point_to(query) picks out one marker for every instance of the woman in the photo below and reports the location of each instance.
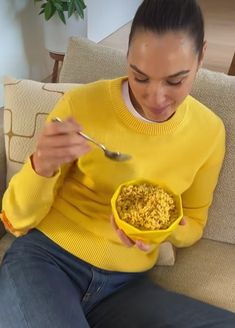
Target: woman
(71, 268)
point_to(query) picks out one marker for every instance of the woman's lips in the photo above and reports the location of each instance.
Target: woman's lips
(158, 110)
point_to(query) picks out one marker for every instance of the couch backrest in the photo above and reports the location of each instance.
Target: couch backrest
(217, 91)
(2, 159)
(86, 61)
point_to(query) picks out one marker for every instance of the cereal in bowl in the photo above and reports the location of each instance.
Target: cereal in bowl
(146, 207)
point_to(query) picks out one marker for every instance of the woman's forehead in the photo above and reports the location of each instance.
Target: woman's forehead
(170, 51)
(165, 39)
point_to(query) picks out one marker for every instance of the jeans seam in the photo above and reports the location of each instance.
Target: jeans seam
(89, 285)
(12, 282)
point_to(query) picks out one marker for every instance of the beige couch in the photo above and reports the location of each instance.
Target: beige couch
(206, 270)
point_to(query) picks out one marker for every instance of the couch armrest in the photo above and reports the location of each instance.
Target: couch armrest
(2, 159)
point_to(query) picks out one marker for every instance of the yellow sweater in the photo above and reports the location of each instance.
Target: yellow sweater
(73, 207)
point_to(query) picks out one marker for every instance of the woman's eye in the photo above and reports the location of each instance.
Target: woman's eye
(141, 80)
(175, 83)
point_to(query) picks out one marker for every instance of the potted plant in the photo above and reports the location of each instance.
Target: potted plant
(50, 7)
(62, 19)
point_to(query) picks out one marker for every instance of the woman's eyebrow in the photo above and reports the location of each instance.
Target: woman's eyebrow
(170, 76)
(179, 73)
(138, 70)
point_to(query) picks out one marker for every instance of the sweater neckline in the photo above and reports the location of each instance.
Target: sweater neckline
(127, 99)
(137, 124)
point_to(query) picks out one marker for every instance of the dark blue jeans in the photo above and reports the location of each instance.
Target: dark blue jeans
(43, 286)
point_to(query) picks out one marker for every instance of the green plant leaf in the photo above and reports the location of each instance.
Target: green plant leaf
(58, 6)
(61, 15)
(79, 8)
(71, 8)
(48, 10)
(53, 11)
(65, 5)
(49, 7)
(83, 4)
(43, 6)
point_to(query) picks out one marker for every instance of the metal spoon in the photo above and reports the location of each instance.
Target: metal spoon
(114, 155)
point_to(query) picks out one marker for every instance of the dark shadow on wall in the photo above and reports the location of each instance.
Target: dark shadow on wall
(30, 23)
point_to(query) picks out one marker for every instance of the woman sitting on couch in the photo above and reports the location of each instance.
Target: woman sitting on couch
(71, 267)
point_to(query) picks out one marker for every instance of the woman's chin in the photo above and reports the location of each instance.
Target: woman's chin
(158, 118)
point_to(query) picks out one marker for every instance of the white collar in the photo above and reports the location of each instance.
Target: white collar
(129, 105)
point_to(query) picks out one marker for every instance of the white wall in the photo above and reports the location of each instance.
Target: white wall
(22, 52)
(106, 16)
(22, 44)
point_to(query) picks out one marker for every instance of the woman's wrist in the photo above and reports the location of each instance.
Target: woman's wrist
(38, 168)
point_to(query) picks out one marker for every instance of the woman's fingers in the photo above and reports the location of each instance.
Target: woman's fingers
(127, 241)
(64, 127)
(143, 246)
(63, 140)
(59, 153)
(113, 223)
(58, 143)
(183, 221)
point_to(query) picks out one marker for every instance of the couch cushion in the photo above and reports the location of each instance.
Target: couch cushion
(85, 61)
(27, 104)
(204, 271)
(217, 91)
(2, 158)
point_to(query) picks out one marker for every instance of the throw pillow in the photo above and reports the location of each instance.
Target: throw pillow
(27, 104)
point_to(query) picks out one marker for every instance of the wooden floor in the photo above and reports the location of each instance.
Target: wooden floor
(220, 33)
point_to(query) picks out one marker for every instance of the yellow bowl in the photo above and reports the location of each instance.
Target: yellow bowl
(148, 236)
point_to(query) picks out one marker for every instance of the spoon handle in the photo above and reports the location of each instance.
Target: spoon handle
(85, 136)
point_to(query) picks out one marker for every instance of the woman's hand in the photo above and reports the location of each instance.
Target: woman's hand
(138, 243)
(59, 143)
(128, 241)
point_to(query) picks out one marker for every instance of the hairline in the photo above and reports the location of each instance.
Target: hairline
(161, 33)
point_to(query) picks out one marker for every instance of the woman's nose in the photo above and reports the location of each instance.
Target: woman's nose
(157, 96)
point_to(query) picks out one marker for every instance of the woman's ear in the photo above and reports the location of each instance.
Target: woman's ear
(202, 54)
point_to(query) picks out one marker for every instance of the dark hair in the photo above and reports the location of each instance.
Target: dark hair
(162, 16)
